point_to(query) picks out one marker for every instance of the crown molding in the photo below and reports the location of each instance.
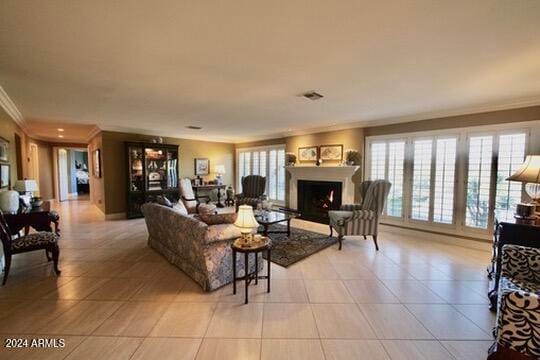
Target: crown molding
(95, 130)
(11, 109)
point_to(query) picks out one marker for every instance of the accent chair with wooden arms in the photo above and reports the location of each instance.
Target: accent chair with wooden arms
(361, 219)
(253, 187)
(192, 202)
(518, 306)
(42, 240)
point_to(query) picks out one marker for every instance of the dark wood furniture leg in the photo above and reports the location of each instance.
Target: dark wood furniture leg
(246, 276)
(375, 242)
(289, 228)
(7, 265)
(340, 239)
(331, 231)
(256, 269)
(219, 204)
(234, 270)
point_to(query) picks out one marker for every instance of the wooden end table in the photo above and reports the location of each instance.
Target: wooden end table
(257, 246)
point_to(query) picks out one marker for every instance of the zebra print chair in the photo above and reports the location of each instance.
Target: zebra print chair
(361, 219)
(253, 187)
(518, 312)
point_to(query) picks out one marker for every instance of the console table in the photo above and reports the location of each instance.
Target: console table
(38, 218)
(209, 187)
(508, 232)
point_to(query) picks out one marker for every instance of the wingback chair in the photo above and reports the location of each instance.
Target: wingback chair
(253, 187)
(191, 201)
(361, 219)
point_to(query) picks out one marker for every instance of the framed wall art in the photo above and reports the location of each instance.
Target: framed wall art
(202, 166)
(4, 176)
(308, 153)
(331, 152)
(96, 163)
(4, 149)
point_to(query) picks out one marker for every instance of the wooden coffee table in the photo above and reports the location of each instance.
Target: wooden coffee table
(267, 218)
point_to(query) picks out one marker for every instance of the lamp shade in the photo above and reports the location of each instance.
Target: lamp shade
(245, 219)
(529, 172)
(26, 186)
(220, 169)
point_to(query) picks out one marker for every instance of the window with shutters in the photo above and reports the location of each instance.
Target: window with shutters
(264, 161)
(450, 180)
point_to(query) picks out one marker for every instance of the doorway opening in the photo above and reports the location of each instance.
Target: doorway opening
(72, 176)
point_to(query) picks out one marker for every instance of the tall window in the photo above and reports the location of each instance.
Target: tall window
(479, 181)
(264, 161)
(511, 156)
(396, 158)
(424, 169)
(378, 163)
(445, 170)
(421, 192)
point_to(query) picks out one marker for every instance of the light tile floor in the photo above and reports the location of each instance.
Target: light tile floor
(118, 299)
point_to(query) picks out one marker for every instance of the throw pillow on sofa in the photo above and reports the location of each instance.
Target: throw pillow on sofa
(162, 200)
(216, 219)
(181, 208)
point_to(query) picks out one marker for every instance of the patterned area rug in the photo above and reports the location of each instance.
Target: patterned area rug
(301, 244)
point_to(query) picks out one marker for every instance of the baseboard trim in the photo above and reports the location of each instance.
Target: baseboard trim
(115, 216)
(477, 244)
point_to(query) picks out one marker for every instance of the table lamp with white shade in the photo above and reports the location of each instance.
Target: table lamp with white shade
(219, 170)
(529, 173)
(28, 187)
(246, 221)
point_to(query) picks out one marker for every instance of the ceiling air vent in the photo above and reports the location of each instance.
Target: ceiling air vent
(312, 95)
(193, 127)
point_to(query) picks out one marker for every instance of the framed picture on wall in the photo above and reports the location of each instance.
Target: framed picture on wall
(308, 153)
(96, 163)
(4, 176)
(202, 166)
(4, 149)
(331, 152)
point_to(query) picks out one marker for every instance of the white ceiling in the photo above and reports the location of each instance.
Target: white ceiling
(236, 67)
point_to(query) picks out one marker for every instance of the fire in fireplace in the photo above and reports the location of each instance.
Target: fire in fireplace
(316, 198)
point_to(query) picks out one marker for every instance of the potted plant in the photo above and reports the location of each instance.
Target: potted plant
(352, 157)
(290, 159)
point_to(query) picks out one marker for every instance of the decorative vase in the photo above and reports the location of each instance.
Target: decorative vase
(9, 201)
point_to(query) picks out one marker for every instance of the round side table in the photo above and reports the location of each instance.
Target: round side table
(256, 247)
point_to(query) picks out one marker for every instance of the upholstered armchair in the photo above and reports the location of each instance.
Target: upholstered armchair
(42, 240)
(361, 219)
(192, 202)
(253, 187)
(518, 307)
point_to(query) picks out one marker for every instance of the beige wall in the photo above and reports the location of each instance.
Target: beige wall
(114, 163)
(8, 128)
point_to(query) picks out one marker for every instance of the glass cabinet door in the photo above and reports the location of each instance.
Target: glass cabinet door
(136, 181)
(156, 169)
(172, 169)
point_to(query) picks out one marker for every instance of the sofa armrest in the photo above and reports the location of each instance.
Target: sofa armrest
(221, 232)
(518, 322)
(521, 262)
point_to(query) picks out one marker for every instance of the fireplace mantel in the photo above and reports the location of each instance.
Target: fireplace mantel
(342, 174)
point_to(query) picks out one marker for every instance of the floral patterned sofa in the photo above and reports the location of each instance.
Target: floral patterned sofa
(202, 251)
(518, 310)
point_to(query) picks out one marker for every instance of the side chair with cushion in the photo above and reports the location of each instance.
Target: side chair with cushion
(42, 240)
(193, 203)
(253, 187)
(361, 219)
(518, 306)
